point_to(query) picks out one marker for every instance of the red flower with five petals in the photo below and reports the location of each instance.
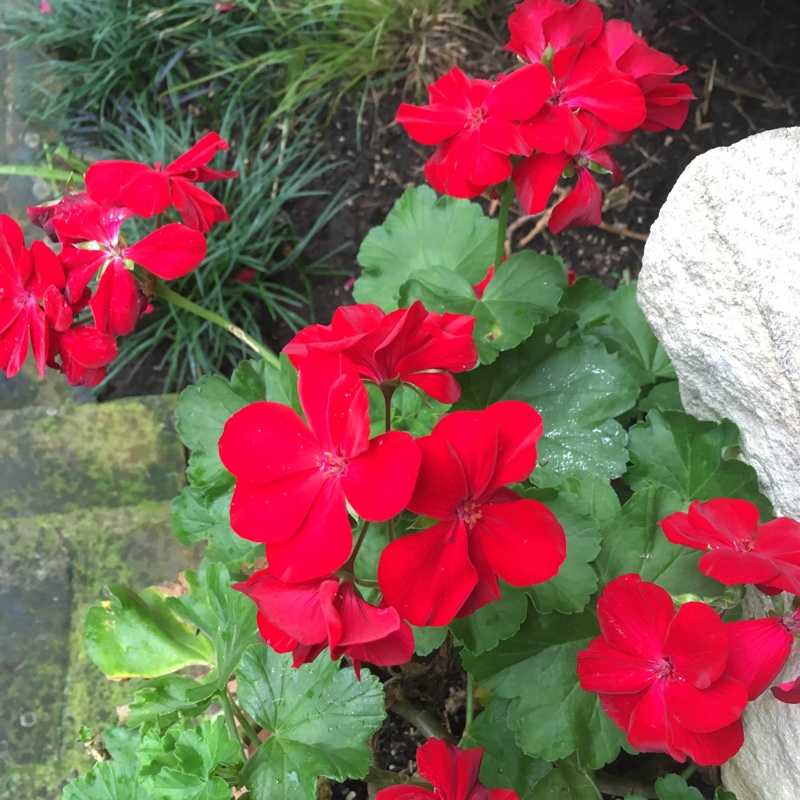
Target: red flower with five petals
(294, 480)
(476, 127)
(303, 618)
(410, 345)
(487, 531)
(661, 675)
(150, 190)
(30, 283)
(740, 550)
(453, 773)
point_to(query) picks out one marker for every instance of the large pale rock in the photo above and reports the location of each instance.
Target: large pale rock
(720, 285)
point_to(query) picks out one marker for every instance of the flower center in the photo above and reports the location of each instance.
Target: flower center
(745, 545)
(333, 465)
(469, 512)
(475, 118)
(664, 668)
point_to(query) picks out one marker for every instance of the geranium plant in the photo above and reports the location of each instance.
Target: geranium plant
(478, 450)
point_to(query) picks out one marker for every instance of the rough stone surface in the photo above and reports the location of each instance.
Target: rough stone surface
(720, 285)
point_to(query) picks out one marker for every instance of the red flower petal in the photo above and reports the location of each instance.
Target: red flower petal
(697, 646)
(535, 177)
(118, 302)
(265, 442)
(731, 567)
(451, 771)
(427, 576)
(758, 650)
(711, 749)
(520, 94)
(788, 692)
(198, 155)
(169, 252)
(579, 23)
(405, 792)
(440, 386)
(379, 482)
(706, 710)
(199, 209)
(522, 541)
(605, 670)
(582, 206)
(650, 729)
(430, 124)
(105, 180)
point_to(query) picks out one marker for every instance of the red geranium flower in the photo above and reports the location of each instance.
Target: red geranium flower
(93, 245)
(487, 530)
(667, 103)
(788, 692)
(535, 177)
(30, 281)
(741, 550)
(410, 345)
(758, 650)
(661, 674)
(295, 479)
(453, 773)
(537, 25)
(476, 127)
(303, 618)
(85, 354)
(150, 190)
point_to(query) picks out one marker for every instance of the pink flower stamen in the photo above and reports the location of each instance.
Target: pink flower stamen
(333, 465)
(469, 512)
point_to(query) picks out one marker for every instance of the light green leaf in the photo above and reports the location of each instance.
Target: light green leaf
(578, 389)
(226, 616)
(569, 591)
(695, 458)
(567, 781)
(423, 231)
(673, 787)
(426, 640)
(523, 292)
(195, 519)
(663, 396)
(137, 636)
(722, 794)
(319, 716)
(550, 714)
(504, 765)
(487, 626)
(107, 780)
(633, 542)
(171, 695)
(589, 300)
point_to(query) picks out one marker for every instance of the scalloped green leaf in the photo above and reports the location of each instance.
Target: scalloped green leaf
(108, 780)
(487, 626)
(523, 292)
(422, 231)
(697, 459)
(536, 670)
(578, 389)
(319, 716)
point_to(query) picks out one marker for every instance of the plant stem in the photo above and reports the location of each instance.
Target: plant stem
(186, 304)
(243, 721)
(230, 720)
(689, 771)
(423, 721)
(383, 779)
(502, 219)
(470, 710)
(350, 565)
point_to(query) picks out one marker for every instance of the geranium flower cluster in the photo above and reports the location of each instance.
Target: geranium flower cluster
(72, 305)
(584, 86)
(678, 682)
(300, 482)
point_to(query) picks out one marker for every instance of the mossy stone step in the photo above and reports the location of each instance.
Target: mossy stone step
(52, 568)
(89, 455)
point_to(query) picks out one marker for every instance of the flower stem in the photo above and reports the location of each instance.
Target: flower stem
(350, 566)
(243, 721)
(186, 304)
(689, 771)
(423, 721)
(502, 219)
(230, 720)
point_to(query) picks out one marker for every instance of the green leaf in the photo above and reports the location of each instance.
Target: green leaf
(487, 626)
(627, 333)
(171, 695)
(319, 716)
(633, 542)
(137, 636)
(722, 794)
(196, 519)
(663, 396)
(523, 292)
(107, 780)
(426, 640)
(578, 389)
(226, 616)
(569, 591)
(692, 457)
(423, 231)
(567, 781)
(504, 765)
(589, 300)
(204, 409)
(673, 787)
(413, 413)
(536, 670)
(122, 742)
